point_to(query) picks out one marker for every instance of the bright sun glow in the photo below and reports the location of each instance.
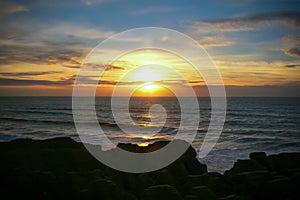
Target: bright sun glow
(143, 144)
(147, 74)
(150, 86)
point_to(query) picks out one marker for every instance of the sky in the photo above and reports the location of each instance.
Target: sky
(254, 44)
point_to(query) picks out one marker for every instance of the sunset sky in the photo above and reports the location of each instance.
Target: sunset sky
(254, 44)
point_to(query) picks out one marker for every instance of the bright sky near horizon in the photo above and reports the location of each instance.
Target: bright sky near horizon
(255, 44)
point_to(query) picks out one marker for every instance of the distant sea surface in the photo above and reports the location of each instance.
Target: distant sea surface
(252, 124)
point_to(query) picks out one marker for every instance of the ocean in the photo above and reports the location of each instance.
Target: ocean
(252, 124)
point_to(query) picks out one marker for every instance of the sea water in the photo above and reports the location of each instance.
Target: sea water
(252, 124)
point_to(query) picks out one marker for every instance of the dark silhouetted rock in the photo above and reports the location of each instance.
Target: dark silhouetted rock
(202, 192)
(63, 169)
(161, 192)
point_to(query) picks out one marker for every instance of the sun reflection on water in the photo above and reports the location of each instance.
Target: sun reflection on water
(143, 144)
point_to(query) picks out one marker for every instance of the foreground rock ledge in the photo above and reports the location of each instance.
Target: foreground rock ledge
(62, 169)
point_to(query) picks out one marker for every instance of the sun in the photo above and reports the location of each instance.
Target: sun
(149, 89)
(147, 74)
(150, 86)
(143, 144)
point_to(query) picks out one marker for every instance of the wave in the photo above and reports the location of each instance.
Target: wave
(164, 129)
(35, 120)
(10, 137)
(54, 112)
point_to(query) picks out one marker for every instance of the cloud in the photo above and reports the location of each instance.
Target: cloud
(76, 31)
(247, 23)
(53, 47)
(295, 51)
(9, 7)
(52, 44)
(36, 54)
(96, 66)
(69, 43)
(93, 2)
(214, 41)
(86, 80)
(27, 74)
(91, 80)
(51, 33)
(195, 83)
(26, 82)
(112, 67)
(292, 65)
(154, 9)
(292, 46)
(161, 82)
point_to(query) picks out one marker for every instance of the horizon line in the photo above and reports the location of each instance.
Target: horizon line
(146, 96)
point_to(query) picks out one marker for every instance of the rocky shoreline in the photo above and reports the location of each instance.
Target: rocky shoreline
(63, 169)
